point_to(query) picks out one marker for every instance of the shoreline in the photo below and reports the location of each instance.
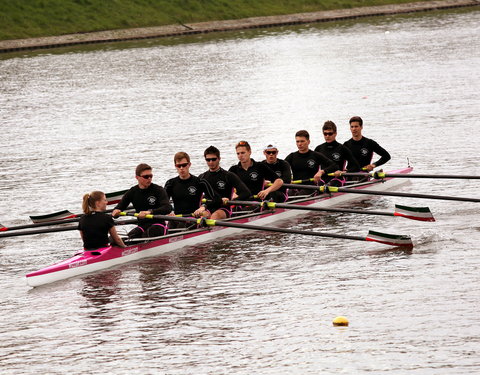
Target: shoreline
(122, 35)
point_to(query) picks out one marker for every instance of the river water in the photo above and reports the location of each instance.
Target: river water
(78, 120)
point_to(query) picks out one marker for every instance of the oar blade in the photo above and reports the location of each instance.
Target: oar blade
(414, 213)
(60, 215)
(115, 197)
(3, 228)
(390, 239)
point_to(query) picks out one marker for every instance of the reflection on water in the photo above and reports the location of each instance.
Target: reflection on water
(81, 119)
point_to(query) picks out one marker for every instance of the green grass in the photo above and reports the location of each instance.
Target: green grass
(35, 18)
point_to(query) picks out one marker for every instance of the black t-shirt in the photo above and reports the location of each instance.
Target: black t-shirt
(224, 183)
(306, 165)
(363, 150)
(254, 177)
(339, 154)
(153, 198)
(187, 194)
(95, 228)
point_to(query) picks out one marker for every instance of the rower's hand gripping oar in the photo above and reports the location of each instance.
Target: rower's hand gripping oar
(414, 213)
(387, 239)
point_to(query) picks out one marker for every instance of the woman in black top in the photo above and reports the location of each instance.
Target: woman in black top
(96, 225)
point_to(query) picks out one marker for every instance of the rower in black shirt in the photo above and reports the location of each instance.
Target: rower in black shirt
(187, 191)
(336, 152)
(254, 174)
(363, 148)
(147, 198)
(307, 164)
(225, 183)
(281, 168)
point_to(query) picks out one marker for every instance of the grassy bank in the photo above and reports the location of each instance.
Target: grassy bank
(34, 18)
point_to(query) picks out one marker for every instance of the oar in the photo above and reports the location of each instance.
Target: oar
(388, 239)
(51, 230)
(381, 175)
(414, 213)
(36, 225)
(333, 189)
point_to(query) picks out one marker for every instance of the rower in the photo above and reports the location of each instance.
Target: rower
(363, 148)
(281, 168)
(254, 174)
(147, 199)
(336, 152)
(187, 191)
(223, 182)
(96, 225)
(307, 164)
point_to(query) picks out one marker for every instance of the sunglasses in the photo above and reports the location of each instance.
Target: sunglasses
(147, 176)
(183, 165)
(328, 133)
(211, 159)
(271, 152)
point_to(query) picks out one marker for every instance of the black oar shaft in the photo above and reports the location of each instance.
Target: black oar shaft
(51, 230)
(387, 193)
(379, 175)
(310, 208)
(258, 227)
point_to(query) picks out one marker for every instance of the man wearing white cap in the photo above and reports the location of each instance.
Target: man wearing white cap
(281, 168)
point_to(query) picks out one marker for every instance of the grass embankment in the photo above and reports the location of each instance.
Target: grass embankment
(35, 18)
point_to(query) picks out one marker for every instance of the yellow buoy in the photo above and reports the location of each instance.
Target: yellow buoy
(340, 321)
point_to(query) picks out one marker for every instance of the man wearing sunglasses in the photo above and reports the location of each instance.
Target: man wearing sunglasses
(224, 183)
(146, 198)
(337, 152)
(187, 191)
(363, 148)
(281, 169)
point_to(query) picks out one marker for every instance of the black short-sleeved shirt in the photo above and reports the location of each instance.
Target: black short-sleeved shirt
(254, 177)
(95, 228)
(282, 170)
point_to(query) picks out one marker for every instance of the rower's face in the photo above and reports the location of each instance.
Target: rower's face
(302, 143)
(271, 155)
(213, 162)
(183, 167)
(243, 154)
(329, 135)
(356, 129)
(145, 179)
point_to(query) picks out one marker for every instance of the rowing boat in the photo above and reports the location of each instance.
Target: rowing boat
(99, 259)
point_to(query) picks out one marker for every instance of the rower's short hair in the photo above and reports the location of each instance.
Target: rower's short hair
(329, 125)
(142, 167)
(212, 150)
(302, 133)
(181, 155)
(356, 119)
(243, 144)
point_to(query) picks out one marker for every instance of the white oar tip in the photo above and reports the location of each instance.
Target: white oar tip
(340, 321)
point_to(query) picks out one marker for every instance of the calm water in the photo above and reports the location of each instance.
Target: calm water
(77, 120)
